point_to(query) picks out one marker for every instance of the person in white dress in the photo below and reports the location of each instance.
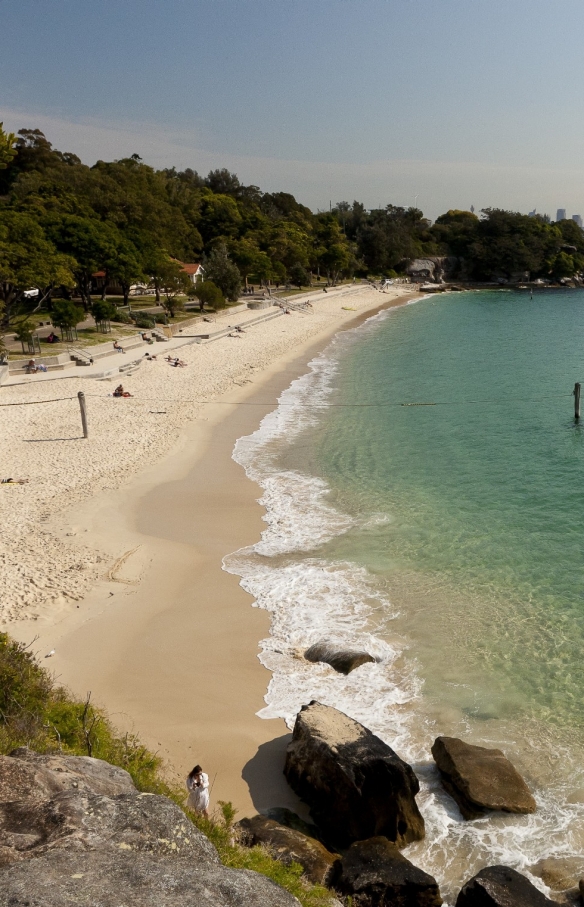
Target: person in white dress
(198, 788)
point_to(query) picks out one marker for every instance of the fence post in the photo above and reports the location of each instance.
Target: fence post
(82, 407)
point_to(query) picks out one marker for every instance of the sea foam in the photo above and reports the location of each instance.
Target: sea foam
(310, 598)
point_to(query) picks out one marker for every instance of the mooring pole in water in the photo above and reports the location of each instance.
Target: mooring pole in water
(577, 401)
(81, 397)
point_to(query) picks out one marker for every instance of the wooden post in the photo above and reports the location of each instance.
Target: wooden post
(577, 401)
(83, 409)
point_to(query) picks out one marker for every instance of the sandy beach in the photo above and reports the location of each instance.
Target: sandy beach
(111, 555)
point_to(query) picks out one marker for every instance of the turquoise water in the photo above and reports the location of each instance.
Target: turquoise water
(476, 510)
(447, 541)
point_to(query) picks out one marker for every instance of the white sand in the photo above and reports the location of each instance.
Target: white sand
(42, 443)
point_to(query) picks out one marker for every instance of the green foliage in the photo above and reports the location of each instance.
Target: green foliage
(24, 331)
(299, 276)
(7, 149)
(102, 310)
(208, 293)
(35, 712)
(223, 273)
(65, 314)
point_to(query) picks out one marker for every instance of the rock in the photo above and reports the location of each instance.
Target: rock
(376, 874)
(480, 779)
(559, 873)
(286, 817)
(25, 772)
(342, 660)
(499, 886)
(66, 846)
(355, 785)
(290, 846)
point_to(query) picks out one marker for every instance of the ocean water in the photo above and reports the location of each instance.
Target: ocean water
(445, 539)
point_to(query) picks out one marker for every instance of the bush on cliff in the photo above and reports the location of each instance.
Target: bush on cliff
(37, 713)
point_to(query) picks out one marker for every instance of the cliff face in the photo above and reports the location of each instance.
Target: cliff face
(74, 831)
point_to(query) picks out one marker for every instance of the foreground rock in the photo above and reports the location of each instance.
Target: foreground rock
(355, 785)
(63, 845)
(289, 846)
(499, 886)
(376, 874)
(480, 779)
(342, 660)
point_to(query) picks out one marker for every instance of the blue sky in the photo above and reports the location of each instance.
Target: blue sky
(457, 102)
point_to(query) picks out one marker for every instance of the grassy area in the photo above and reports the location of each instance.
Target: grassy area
(36, 712)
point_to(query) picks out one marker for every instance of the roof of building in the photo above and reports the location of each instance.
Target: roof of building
(190, 268)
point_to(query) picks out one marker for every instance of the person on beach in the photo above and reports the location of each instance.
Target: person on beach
(118, 348)
(31, 367)
(198, 788)
(120, 392)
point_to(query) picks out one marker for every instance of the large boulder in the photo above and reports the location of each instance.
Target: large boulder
(499, 886)
(63, 845)
(342, 660)
(291, 846)
(354, 783)
(480, 779)
(376, 874)
(25, 773)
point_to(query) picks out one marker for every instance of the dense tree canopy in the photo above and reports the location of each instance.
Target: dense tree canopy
(62, 221)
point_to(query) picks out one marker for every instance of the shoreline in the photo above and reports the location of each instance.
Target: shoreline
(167, 641)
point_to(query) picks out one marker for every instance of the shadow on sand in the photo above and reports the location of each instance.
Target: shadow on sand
(264, 775)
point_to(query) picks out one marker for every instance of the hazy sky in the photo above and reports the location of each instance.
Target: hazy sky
(457, 102)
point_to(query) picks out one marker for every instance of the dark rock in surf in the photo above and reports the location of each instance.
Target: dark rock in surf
(560, 873)
(500, 886)
(376, 874)
(480, 779)
(289, 846)
(355, 785)
(342, 660)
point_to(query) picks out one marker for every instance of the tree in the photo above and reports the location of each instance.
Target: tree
(124, 266)
(66, 315)
(7, 147)
(91, 243)
(221, 270)
(173, 284)
(209, 294)
(103, 312)
(28, 260)
(299, 276)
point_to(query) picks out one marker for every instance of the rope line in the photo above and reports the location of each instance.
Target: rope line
(36, 402)
(276, 403)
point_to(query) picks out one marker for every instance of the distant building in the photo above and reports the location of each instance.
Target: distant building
(561, 215)
(195, 272)
(532, 213)
(577, 218)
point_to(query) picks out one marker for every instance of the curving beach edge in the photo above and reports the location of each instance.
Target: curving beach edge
(114, 549)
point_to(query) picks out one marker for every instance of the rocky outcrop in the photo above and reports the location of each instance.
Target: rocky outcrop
(342, 660)
(499, 886)
(289, 846)
(355, 785)
(376, 874)
(86, 836)
(285, 816)
(480, 779)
